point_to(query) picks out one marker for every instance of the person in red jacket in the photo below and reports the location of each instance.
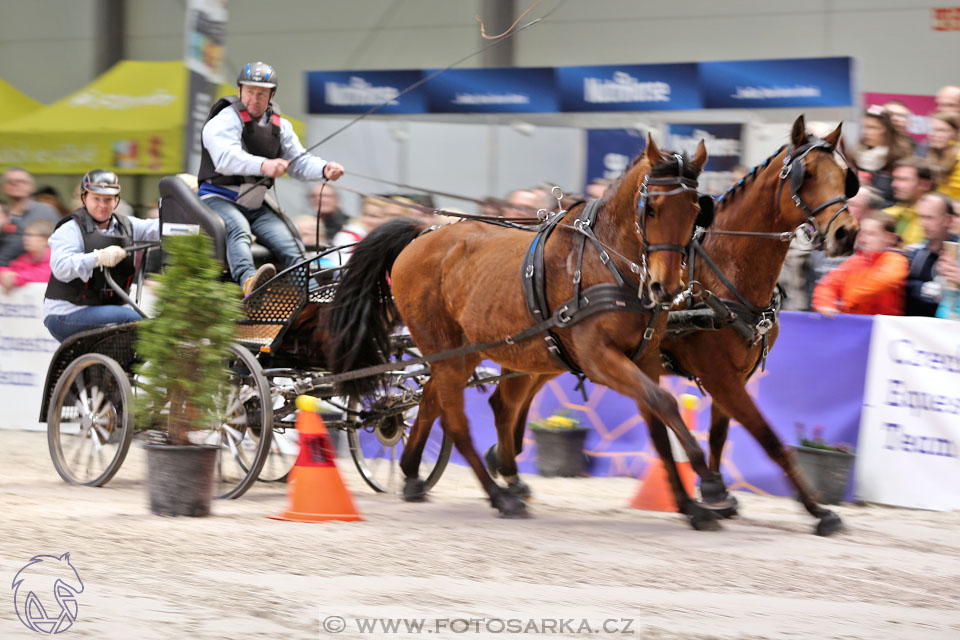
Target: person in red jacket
(34, 264)
(873, 280)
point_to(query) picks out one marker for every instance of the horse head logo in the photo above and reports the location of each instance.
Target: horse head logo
(45, 594)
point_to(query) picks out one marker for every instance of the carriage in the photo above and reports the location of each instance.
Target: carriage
(90, 386)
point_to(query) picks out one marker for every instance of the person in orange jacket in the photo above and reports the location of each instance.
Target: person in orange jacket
(873, 280)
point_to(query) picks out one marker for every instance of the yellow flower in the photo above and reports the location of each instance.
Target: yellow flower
(559, 422)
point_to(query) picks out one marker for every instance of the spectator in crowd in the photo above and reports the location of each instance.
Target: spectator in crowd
(879, 149)
(78, 296)
(948, 99)
(34, 264)
(19, 211)
(935, 214)
(900, 118)
(374, 212)
(597, 187)
(326, 199)
(942, 152)
(51, 197)
(523, 203)
(871, 282)
(246, 145)
(949, 269)
(912, 178)
(866, 202)
(307, 226)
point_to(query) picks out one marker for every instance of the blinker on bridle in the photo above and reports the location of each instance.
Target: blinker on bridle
(794, 169)
(683, 185)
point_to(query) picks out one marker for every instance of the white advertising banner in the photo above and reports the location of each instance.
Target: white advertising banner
(909, 447)
(25, 351)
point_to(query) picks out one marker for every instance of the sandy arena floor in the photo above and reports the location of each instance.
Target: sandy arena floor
(584, 558)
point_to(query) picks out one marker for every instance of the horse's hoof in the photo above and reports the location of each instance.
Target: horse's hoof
(509, 506)
(701, 518)
(414, 490)
(830, 523)
(492, 460)
(520, 489)
(727, 508)
(713, 489)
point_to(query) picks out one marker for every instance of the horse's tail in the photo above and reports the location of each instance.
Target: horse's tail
(358, 322)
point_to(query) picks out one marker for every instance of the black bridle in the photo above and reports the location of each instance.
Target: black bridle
(683, 185)
(795, 171)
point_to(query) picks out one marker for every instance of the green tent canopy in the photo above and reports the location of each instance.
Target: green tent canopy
(15, 104)
(130, 119)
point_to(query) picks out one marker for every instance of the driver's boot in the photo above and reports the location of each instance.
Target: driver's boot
(258, 279)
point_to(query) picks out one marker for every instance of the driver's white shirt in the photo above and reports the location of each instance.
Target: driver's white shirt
(68, 260)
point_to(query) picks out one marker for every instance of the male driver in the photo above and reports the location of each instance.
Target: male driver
(244, 139)
(78, 296)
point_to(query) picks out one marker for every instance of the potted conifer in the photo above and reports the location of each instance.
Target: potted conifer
(183, 349)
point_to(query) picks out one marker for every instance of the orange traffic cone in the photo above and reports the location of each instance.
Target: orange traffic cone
(317, 492)
(655, 493)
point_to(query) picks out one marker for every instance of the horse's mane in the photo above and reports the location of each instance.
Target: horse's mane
(741, 183)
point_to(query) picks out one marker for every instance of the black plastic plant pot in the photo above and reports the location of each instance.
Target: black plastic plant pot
(560, 451)
(827, 471)
(180, 478)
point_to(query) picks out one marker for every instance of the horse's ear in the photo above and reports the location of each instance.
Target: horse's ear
(799, 134)
(700, 157)
(834, 137)
(65, 556)
(652, 151)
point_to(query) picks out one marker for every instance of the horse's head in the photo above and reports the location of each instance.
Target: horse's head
(668, 205)
(814, 189)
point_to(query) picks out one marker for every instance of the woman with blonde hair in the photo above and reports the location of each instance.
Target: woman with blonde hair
(942, 156)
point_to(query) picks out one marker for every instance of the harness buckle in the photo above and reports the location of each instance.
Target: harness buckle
(604, 257)
(764, 326)
(529, 271)
(563, 316)
(576, 277)
(648, 333)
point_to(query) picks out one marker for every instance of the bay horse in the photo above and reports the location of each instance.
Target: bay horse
(801, 183)
(464, 283)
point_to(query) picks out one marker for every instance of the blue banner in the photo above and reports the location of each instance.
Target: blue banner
(647, 87)
(813, 383)
(609, 151)
(722, 142)
(528, 90)
(800, 82)
(804, 82)
(359, 91)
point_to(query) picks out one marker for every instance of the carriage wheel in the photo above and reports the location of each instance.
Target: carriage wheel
(90, 420)
(376, 449)
(243, 428)
(284, 450)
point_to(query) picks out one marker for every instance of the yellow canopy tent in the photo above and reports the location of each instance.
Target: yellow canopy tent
(130, 119)
(15, 104)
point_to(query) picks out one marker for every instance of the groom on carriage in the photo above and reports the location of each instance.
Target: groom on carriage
(246, 145)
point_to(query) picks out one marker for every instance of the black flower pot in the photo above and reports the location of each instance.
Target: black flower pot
(560, 451)
(827, 471)
(180, 478)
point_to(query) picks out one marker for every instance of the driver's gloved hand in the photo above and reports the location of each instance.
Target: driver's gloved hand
(110, 256)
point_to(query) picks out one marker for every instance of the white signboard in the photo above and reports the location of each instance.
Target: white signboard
(25, 351)
(909, 447)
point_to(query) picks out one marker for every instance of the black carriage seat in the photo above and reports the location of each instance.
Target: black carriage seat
(180, 204)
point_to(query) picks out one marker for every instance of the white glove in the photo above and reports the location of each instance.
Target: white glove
(110, 256)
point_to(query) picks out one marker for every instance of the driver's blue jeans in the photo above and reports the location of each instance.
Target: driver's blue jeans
(62, 327)
(241, 225)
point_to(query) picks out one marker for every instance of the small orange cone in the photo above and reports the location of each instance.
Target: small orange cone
(317, 492)
(655, 493)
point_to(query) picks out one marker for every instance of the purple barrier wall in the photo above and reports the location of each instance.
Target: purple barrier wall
(814, 378)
